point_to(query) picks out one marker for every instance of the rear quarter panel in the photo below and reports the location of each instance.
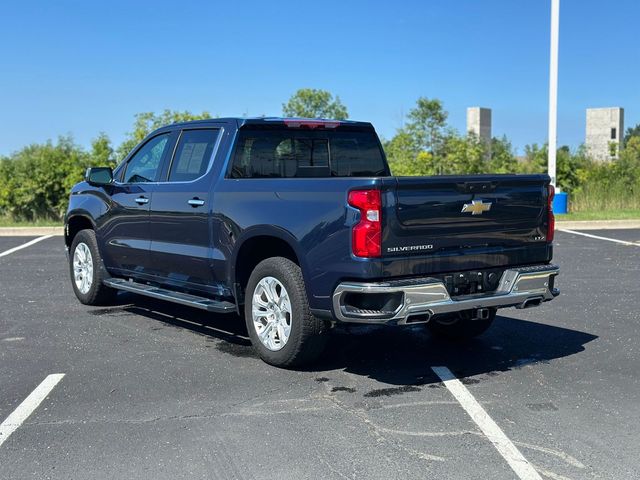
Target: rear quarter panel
(311, 214)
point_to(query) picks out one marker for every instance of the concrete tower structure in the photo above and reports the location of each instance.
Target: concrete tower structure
(479, 122)
(605, 130)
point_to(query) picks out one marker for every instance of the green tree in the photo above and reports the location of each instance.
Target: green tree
(400, 148)
(313, 103)
(627, 167)
(102, 153)
(463, 155)
(535, 159)
(7, 174)
(405, 159)
(570, 166)
(631, 132)
(502, 159)
(427, 124)
(428, 146)
(36, 180)
(147, 122)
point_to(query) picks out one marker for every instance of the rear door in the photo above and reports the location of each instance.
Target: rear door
(454, 214)
(180, 218)
(125, 231)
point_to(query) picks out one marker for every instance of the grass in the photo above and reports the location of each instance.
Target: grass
(9, 222)
(627, 214)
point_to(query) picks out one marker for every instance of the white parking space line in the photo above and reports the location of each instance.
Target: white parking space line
(492, 431)
(28, 406)
(597, 237)
(24, 245)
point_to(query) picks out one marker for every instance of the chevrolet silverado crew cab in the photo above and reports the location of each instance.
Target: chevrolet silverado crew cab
(298, 224)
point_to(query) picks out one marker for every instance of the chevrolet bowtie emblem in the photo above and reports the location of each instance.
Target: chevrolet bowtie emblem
(476, 207)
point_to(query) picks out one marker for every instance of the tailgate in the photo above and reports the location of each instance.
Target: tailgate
(427, 215)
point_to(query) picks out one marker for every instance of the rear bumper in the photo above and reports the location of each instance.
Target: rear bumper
(417, 300)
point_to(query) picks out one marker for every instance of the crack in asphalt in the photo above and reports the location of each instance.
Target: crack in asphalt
(376, 430)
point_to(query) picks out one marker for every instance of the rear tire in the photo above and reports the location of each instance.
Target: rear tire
(87, 270)
(460, 325)
(282, 329)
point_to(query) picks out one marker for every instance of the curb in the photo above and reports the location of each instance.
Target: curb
(30, 231)
(596, 224)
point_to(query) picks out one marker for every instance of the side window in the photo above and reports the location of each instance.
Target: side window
(145, 164)
(193, 155)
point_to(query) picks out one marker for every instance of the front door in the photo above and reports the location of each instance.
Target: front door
(125, 232)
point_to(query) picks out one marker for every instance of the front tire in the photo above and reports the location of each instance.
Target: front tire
(282, 329)
(460, 325)
(87, 270)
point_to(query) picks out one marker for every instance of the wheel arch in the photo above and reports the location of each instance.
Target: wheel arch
(257, 244)
(74, 223)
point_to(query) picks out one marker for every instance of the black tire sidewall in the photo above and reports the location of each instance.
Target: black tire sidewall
(88, 237)
(284, 271)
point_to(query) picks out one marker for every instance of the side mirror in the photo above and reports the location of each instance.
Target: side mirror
(99, 176)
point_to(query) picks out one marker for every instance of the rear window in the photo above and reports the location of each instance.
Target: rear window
(303, 154)
(193, 155)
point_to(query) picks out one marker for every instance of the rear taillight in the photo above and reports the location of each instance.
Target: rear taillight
(366, 236)
(551, 225)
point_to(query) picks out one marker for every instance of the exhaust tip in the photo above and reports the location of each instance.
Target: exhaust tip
(420, 317)
(530, 302)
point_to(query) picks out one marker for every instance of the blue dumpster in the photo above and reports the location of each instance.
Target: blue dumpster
(560, 203)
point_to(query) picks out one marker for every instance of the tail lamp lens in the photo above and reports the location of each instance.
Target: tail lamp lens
(551, 225)
(366, 237)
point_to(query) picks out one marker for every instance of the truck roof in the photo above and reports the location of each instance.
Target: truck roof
(290, 121)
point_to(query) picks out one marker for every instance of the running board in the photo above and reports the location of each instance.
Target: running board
(203, 303)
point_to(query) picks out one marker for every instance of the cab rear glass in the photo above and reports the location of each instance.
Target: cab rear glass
(300, 153)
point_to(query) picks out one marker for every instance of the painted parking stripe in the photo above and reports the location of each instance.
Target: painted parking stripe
(492, 431)
(24, 245)
(597, 237)
(28, 406)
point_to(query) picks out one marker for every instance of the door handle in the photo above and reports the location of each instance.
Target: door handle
(195, 202)
(142, 200)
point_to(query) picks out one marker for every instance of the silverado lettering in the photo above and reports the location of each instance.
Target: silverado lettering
(409, 248)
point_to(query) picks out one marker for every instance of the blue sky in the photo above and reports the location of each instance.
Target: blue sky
(88, 67)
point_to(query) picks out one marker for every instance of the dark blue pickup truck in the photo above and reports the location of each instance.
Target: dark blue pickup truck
(298, 224)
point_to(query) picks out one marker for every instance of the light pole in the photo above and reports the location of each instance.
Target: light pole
(553, 89)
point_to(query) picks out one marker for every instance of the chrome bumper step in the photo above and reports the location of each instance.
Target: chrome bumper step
(520, 287)
(203, 303)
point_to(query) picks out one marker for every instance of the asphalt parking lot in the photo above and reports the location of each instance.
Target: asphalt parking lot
(154, 390)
